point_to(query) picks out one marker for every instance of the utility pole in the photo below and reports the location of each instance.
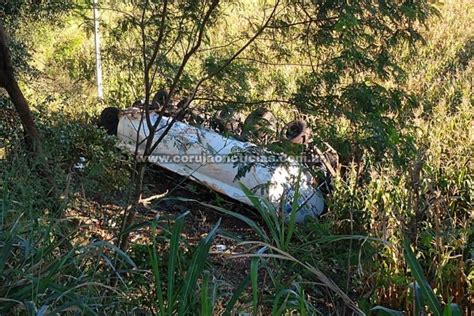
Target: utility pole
(98, 62)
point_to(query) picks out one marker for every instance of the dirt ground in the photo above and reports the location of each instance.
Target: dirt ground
(99, 219)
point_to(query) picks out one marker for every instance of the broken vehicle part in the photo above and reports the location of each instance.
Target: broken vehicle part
(260, 124)
(228, 120)
(297, 132)
(109, 119)
(212, 159)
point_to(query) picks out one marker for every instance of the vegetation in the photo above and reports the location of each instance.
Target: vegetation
(387, 84)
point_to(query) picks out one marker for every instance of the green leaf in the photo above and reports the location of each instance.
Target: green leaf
(420, 278)
(384, 311)
(254, 278)
(419, 302)
(173, 256)
(269, 215)
(237, 293)
(155, 267)
(206, 303)
(452, 309)
(196, 267)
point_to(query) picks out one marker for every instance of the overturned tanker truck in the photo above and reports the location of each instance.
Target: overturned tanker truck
(221, 163)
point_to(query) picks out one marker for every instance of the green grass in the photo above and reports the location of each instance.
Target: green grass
(353, 258)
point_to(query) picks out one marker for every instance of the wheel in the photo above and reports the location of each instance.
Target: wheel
(297, 132)
(109, 119)
(227, 120)
(261, 123)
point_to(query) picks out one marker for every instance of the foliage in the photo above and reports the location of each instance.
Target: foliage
(352, 52)
(40, 268)
(44, 272)
(399, 112)
(422, 291)
(180, 294)
(14, 13)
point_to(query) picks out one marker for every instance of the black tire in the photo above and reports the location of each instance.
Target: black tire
(297, 132)
(226, 120)
(109, 119)
(261, 123)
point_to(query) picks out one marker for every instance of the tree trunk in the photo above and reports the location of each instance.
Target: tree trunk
(8, 81)
(129, 215)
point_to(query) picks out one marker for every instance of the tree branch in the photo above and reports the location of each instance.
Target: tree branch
(241, 102)
(222, 67)
(177, 78)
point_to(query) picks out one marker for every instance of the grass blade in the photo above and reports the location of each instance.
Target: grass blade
(173, 256)
(383, 311)
(206, 303)
(196, 267)
(420, 278)
(251, 223)
(452, 310)
(254, 279)
(294, 211)
(237, 293)
(155, 267)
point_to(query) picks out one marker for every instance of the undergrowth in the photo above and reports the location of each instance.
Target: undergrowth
(352, 258)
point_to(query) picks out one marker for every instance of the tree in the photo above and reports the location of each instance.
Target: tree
(354, 71)
(175, 24)
(339, 54)
(12, 14)
(9, 82)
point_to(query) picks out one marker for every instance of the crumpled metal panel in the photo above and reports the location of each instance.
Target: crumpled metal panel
(214, 160)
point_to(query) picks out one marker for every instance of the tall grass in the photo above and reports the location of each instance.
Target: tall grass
(46, 267)
(352, 259)
(183, 295)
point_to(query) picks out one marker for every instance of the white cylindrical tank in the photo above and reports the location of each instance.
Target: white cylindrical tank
(214, 160)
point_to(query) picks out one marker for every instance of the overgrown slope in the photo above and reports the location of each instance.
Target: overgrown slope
(413, 181)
